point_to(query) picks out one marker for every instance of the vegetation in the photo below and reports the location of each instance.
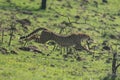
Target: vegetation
(100, 20)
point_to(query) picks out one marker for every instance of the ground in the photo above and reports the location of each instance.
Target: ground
(100, 21)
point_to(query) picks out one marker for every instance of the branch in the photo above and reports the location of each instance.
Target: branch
(63, 16)
(117, 66)
(69, 19)
(59, 13)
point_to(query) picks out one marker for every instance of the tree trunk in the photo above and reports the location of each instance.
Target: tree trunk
(2, 35)
(114, 65)
(43, 4)
(11, 35)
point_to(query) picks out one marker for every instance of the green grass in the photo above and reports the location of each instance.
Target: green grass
(34, 67)
(102, 22)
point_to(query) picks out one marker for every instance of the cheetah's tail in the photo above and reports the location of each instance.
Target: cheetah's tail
(33, 32)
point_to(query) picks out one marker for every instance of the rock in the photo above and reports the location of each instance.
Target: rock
(31, 48)
(104, 1)
(78, 58)
(112, 36)
(52, 65)
(13, 52)
(77, 17)
(3, 50)
(105, 42)
(24, 48)
(27, 12)
(106, 48)
(24, 22)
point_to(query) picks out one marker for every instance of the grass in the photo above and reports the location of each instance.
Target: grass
(102, 22)
(35, 67)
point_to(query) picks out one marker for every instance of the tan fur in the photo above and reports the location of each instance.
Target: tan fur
(62, 40)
